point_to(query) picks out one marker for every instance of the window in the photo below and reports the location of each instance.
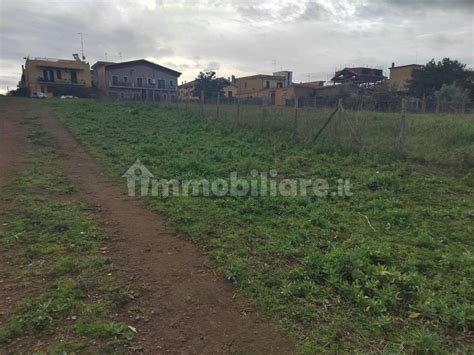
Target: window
(59, 74)
(161, 84)
(267, 85)
(279, 85)
(171, 83)
(73, 77)
(139, 82)
(150, 81)
(229, 94)
(125, 79)
(114, 80)
(48, 75)
(245, 85)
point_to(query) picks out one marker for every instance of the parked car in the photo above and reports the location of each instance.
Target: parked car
(39, 95)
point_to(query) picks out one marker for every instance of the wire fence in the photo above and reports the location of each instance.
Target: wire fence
(424, 131)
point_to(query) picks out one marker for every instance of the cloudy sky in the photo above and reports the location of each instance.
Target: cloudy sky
(310, 37)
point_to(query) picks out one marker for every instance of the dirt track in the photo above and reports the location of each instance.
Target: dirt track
(191, 308)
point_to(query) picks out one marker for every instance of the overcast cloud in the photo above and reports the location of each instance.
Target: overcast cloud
(311, 38)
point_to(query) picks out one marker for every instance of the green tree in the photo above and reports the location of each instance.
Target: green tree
(211, 85)
(452, 93)
(431, 77)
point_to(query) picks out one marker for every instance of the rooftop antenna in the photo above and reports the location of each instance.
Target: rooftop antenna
(82, 46)
(105, 56)
(120, 55)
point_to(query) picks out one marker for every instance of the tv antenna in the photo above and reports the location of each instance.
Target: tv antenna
(82, 46)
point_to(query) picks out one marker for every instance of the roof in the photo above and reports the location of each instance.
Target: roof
(189, 84)
(358, 74)
(54, 60)
(262, 76)
(310, 84)
(99, 63)
(137, 61)
(407, 65)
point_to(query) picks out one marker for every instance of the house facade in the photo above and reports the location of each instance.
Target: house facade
(136, 80)
(400, 76)
(49, 75)
(186, 91)
(256, 85)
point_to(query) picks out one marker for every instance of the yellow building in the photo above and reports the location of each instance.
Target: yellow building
(401, 75)
(49, 75)
(230, 91)
(255, 85)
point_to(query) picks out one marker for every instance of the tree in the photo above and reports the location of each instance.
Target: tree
(452, 93)
(208, 83)
(431, 77)
(20, 91)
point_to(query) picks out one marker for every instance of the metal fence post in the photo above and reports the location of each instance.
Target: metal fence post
(402, 122)
(238, 110)
(202, 103)
(295, 125)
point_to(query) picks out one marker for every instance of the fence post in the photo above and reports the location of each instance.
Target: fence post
(262, 121)
(423, 104)
(218, 103)
(402, 122)
(238, 110)
(437, 105)
(338, 123)
(295, 126)
(202, 103)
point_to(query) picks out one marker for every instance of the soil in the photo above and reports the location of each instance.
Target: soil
(185, 305)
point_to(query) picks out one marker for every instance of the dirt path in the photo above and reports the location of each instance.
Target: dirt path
(186, 306)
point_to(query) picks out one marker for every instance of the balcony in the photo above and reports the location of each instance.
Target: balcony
(60, 82)
(122, 84)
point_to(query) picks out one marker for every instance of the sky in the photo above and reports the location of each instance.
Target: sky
(312, 38)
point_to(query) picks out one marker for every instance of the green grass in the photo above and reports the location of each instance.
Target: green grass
(52, 237)
(388, 269)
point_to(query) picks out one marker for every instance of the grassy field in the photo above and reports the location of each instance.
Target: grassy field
(66, 296)
(388, 269)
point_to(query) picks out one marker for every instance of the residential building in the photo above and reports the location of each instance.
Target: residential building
(360, 76)
(136, 80)
(400, 76)
(288, 75)
(60, 76)
(231, 91)
(304, 91)
(255, 85)
(186, 91)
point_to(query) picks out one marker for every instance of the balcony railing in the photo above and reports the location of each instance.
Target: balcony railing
(136, 86)
(61, 82)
